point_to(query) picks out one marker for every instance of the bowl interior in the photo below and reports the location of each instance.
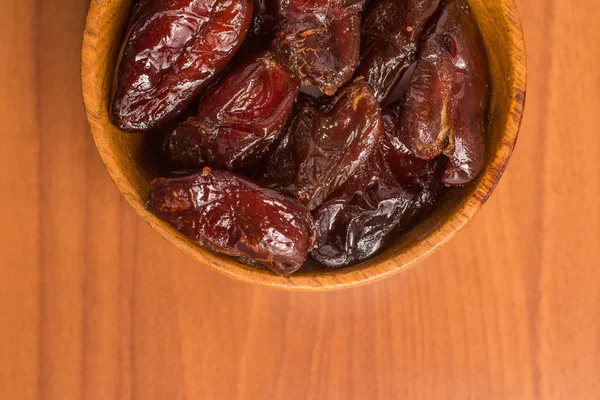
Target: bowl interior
(132, 167)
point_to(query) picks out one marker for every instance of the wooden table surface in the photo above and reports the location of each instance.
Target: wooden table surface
(95, 305)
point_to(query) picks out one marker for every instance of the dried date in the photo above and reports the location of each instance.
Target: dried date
(241, 117)
(401, 162)
(387, 196)
(173, 49)
(320, 40)
(445, 105)
(229, 214)
(391, 31)
(325, 143)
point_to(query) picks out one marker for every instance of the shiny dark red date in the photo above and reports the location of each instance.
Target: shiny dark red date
(391, 31)
(238, 120)
(320, 40)
(325, 143)
(446, 101)
(229, 214)
(173, 49)
(386, 197)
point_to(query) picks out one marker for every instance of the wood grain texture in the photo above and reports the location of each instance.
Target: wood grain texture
(95, 305)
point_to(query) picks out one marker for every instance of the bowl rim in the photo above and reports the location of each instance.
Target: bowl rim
(325, 280)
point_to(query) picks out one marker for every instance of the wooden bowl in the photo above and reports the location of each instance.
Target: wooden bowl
(131, 165)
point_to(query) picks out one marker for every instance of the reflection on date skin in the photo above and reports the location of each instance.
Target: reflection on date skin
(229, 214)
(391, 31)
(238, 120)
(320, 40)
(173, 49)
(387, 196)
(325, 143)
(445, 104)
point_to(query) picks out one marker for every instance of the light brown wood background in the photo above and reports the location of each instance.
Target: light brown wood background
(96, 306)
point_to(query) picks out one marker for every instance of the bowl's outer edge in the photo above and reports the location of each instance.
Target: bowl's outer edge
(321, 280)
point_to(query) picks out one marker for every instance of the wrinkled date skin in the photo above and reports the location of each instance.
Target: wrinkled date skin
(391, 31)
(238, 120)
(377, 203)
(229, 214)
(320, 40)
(446, 102)
(325, 144)
(173, 49)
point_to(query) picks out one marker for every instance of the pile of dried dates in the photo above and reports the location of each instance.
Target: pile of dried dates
(281, 141)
